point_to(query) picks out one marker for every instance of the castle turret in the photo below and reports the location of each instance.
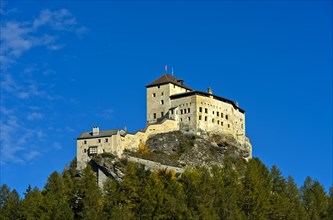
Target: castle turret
(158, 96)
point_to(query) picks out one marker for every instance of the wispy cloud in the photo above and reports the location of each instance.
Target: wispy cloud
(18, 37)
(106, 114)
(24, 99)
(16, 138)
(35, 116)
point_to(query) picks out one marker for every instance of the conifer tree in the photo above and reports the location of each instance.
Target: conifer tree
(89, 196)
(132, 187)
(314, 199)
(330, 204)
(227, 186)
(279, 199)
(33, 206)
(163, 197)
(257, 190)
(295, 209)
(56, 198)
(9, 203)
(199, 193)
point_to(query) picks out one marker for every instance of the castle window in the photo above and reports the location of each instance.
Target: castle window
(228, 125)
(221, 115)
(154, 115)
(162, 102)
(181, 111)
(162, 114)
(188, 110)
(154, 95)
(162, 94)
(184, 111)
(99, 141)
(221, 123)
(226, 117)
(217, 114)
(158, 86)
(205, 118)
(172, 112)
(218, 122)
(213, 120)
(200, 109)
(189, 118)
(213, 112)
(85, 151)
(92, 151)
(181, 119)
(206, 110)
(84, 142)
(200, 117)
(106, 140)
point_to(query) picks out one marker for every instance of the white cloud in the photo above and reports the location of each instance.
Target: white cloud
(18, 142)
(31, 155)
(22, 93)
(56, 145)
(35, 116)
(18, 37)
(58, 20)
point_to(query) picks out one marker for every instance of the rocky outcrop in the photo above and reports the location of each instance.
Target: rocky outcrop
(186, 149)
(108, 165)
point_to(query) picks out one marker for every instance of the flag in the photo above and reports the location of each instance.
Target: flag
(166, 68)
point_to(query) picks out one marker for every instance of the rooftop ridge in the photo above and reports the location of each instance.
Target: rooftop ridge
(167, 78)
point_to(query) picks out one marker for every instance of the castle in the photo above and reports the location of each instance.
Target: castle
(171, 106)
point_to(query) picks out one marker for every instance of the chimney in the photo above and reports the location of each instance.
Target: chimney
(180, 81)
(95, 130)
(209, 90)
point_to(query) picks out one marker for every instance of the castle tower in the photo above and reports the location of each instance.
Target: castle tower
(158, 96)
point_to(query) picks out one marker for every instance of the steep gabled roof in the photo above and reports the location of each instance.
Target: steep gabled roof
(106, 133)
(167, 78)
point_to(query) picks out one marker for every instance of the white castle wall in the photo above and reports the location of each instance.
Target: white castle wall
(132, 141)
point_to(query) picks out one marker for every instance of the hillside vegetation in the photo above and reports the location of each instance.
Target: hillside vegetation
(238, 190)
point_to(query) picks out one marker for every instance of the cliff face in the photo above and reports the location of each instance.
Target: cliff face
(183, 149)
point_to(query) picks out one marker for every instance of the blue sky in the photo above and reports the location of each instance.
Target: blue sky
(68, 65)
